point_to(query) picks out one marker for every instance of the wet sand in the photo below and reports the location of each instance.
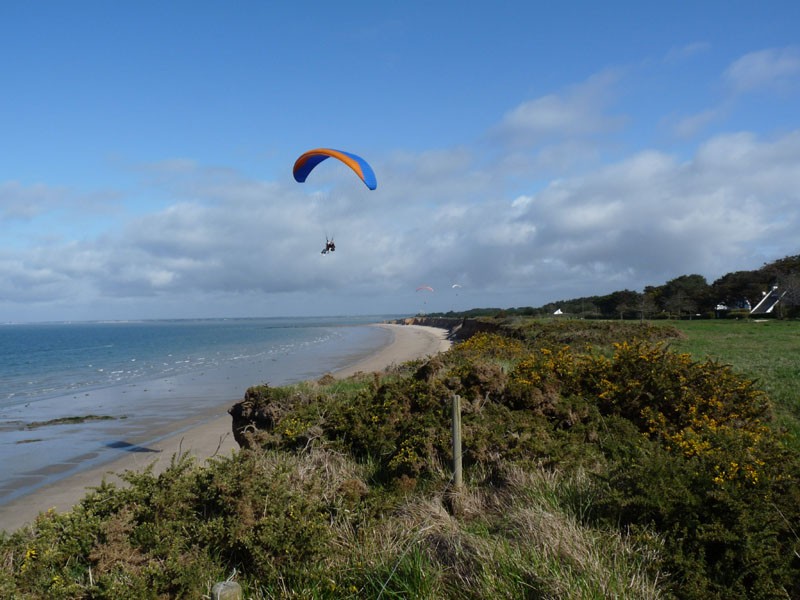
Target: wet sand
(206, 435)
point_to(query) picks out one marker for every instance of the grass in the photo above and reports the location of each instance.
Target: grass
(767, 352)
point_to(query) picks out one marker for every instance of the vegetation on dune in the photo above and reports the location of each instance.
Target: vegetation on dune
(598, 463)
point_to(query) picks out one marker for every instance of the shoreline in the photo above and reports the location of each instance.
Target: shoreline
(206, 434)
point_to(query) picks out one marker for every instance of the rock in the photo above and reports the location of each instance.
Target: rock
(259, 411)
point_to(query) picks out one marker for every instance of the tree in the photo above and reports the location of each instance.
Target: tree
(647, 306)
(790, 303)
(680, 304)
(686, 294)
(734, 288)
(624, 302)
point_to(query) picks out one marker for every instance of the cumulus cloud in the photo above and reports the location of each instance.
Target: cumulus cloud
(636, 222)
(652, 217)
(218, 240)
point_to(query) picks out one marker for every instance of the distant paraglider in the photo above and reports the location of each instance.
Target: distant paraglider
(329, 246)
(308, 160)
(424, 289)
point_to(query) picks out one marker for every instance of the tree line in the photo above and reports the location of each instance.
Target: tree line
(686, 296)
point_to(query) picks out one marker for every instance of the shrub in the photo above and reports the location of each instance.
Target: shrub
(706, 472)
(592, 473)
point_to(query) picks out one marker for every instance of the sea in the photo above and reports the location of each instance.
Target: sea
(74, 395)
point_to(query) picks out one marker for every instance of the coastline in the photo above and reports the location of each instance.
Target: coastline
(207, 434)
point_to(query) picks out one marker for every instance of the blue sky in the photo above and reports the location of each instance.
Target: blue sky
(529, 153)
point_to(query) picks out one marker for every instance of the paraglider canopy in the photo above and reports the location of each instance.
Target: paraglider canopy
(425, 288)
(308, 160)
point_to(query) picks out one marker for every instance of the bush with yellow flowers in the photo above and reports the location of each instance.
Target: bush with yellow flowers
(705, 470)
(678, 456)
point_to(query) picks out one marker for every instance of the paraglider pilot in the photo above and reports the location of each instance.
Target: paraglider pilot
(329, 246)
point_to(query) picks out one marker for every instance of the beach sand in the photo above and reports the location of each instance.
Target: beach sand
(212, 437)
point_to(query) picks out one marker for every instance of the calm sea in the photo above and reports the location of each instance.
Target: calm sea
(137, 374)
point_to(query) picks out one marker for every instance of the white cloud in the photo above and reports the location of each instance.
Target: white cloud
(681, 53)
(639, 221)
(578, 112)
(688, 127)
(652, 217)
(19, 202)
(203, 239)
(774, 68)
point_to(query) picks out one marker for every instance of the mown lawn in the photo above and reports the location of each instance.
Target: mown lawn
(765, 351)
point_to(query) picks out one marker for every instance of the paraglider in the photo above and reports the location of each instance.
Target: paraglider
(329, 246)
(424, 288)
(308, 160)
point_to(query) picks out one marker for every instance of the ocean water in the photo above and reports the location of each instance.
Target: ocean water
(142, 378)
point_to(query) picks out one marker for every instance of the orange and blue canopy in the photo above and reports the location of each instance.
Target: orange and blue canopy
(308, 160)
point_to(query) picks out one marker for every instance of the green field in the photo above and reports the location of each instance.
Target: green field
(766, 351)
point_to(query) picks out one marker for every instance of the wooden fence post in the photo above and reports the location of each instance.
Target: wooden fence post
(457, 475)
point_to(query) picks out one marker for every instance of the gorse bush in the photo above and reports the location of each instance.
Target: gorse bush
(175, 534)
(678, 447)
(708, 473)
(617, 469)
(318, 525)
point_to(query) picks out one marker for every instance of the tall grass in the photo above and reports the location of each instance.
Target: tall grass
(514, 536)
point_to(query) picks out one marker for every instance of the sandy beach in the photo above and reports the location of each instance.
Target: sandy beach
(206, 439)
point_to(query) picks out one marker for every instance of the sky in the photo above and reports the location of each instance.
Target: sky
(527, 152)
